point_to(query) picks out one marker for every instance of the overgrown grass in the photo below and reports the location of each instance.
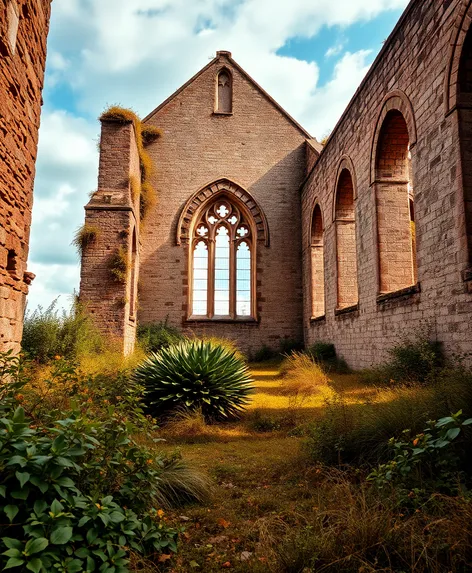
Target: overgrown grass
(50, 332)
(85, 236)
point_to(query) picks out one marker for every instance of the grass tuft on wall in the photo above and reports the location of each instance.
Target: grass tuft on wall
(84, 237)
(118, 265)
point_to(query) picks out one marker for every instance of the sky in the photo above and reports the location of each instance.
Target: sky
(310, 55)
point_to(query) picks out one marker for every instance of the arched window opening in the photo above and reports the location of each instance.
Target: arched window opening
(134, 281)
(224, 93)
(394, 195)
(317, 265)
(346, 252)
(465, 119)
(223, 263)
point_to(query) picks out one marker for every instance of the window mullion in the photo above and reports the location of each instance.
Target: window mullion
(232, 278)
(211, 279)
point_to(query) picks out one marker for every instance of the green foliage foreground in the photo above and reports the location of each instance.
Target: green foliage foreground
(77, 492)
(195, 374)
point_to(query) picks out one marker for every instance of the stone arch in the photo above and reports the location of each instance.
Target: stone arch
(317, 286)
(209, 192)
(394, 101)
(394, 195)
(456, 44)
(345, 163)
(224, 91)
(345, 226)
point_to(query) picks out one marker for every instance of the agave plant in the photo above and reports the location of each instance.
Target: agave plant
(195, 374)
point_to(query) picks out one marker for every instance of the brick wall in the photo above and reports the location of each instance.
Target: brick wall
(23, 32)
(411, 88)
(261, 150)
(112, 217)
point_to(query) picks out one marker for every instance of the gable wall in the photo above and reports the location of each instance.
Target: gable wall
(23, 32)
(415, 62)
(261, 150)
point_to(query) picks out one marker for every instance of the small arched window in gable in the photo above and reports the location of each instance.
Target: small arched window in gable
(224, 92)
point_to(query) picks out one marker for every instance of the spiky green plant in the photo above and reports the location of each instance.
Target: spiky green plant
(195, 374)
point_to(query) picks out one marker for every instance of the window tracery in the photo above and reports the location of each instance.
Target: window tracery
(222, 263)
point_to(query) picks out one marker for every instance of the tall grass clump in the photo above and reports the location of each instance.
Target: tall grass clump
(51, 332)
(195, 374)
(358, 433)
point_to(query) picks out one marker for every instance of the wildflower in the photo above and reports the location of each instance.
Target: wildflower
(415, 441)
(57, 357)
(19, 397)
(149, 461)
(99, 506)
(160, 512)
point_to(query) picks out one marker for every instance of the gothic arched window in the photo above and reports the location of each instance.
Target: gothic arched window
(222, 263)
(224, 92)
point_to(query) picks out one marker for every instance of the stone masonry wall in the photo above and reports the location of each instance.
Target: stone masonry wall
(410, 75)
(23, 32)
(260, 149)
(112, 217)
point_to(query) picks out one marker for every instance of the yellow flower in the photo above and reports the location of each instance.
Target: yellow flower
(57, 357)
(160, 512)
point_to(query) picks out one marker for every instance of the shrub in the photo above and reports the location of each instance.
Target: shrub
(78, 492)
(264, 353)
(427, 463)
(49, 333)
(413, 359)
(195, 374)
(157, 335)
(287, 346)
(325, 354)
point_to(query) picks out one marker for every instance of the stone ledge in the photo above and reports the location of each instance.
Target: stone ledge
(399, 294)
(315, 319)
(247, 321)
(346, 310)
(223, 113)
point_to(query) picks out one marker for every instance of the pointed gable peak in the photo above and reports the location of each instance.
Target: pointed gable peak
(224, 55)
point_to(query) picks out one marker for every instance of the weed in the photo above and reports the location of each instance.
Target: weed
(118, 265)
(84, 237)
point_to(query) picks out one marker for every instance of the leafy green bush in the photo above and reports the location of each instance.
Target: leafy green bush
(325, 354)
(415, 359)
(427, 463)
(48, 333)
(155, 336)
(195, 374)
(77, 491)
(264, 353)
(288, 345)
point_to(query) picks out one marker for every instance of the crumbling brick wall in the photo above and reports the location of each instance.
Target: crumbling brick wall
(415, 75)
(23, 32)
(112, 222)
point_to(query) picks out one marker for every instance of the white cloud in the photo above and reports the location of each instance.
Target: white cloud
(137, 53)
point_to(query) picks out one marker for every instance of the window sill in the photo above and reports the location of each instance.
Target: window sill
(223, 320)
(315, 319)
(399, 294)
(346, 310)
(227, 113)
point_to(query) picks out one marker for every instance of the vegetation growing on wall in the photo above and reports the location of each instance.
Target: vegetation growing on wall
(118, 265)
(145, 134)
(84, 237)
